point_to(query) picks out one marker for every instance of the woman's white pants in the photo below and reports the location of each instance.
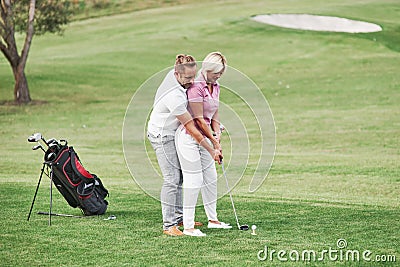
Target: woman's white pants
(199, 173)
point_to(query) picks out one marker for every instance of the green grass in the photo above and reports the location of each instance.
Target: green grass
(335, 100)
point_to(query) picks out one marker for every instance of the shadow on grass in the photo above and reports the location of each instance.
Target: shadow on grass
(15, 103)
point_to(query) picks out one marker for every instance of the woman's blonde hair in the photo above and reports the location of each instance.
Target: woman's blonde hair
(215, 62)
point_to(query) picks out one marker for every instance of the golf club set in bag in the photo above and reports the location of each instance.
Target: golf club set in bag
(80, 188)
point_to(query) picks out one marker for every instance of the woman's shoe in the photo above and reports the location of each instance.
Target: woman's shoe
(196, 232)
(220, 225)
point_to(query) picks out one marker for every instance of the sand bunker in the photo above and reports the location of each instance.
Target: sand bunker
(317, 23)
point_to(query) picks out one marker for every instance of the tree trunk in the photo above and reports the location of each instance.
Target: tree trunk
(21, 89)
(9, 48)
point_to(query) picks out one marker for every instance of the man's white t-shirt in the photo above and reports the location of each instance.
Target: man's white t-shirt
(170, 101)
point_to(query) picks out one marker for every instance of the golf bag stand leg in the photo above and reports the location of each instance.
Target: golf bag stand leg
(51, 192)
(37, 188)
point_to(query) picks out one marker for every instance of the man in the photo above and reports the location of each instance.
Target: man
(169, 112)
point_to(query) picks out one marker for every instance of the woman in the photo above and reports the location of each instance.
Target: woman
(197, 165)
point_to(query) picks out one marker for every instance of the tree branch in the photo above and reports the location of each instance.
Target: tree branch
(3, 49)
(29, 35)
(3, 6)
(5, 32)
(3, 16)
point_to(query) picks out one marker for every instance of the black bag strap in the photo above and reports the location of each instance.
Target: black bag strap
(85, 189)
(99, 184)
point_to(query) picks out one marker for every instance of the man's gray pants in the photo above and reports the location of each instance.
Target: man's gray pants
(171, 191)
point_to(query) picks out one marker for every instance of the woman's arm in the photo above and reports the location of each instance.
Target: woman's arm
(197, 110)
(187, 121)
(215, 126)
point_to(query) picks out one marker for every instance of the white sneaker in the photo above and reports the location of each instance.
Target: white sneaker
(196, 232)
(220, 225)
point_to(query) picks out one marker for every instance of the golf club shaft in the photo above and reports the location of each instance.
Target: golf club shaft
(59, 214)
(230, 193)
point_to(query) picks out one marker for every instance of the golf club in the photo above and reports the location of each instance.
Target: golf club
(60, 215)
(35, 137)
(50, 156)
(52, 140)
(37, 147)
(44, 140)
(243, 227)
(64, 141)
(54, 148)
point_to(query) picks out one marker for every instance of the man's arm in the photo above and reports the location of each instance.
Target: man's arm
(187, 121)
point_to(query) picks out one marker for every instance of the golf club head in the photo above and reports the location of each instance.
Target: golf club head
(36, 147)
(64, 141)
(54, 147)
(35, 137)
(50, 156)
(244, 227)
(51, 141)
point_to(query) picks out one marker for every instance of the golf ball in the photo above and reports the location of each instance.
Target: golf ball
(253, 227)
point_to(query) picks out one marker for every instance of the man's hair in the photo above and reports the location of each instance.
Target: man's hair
(182, 61)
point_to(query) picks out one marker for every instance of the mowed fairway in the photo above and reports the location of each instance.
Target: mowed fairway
(335, 98)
